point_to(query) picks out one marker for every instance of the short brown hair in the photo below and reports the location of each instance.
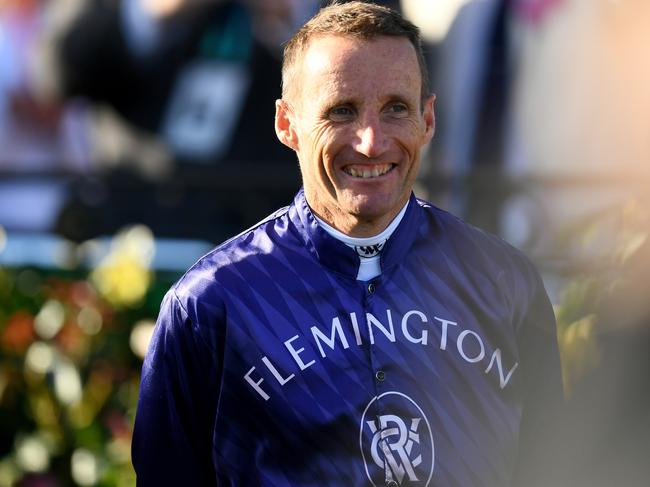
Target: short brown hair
(358, 19)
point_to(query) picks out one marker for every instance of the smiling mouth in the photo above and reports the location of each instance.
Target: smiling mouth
(367, 171)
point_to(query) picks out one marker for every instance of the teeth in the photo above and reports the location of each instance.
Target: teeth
(366, 172)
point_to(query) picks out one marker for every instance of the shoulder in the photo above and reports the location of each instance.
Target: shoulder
(477, 249)
(230, 266)
(478, 260)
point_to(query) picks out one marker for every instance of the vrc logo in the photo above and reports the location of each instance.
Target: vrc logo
(369, 250)
(398, 445)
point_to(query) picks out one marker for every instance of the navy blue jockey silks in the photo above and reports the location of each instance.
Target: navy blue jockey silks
(272, 365)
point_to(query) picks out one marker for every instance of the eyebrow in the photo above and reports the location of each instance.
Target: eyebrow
(400, 98)
(354, 100)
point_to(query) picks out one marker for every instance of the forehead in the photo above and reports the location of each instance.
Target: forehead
(346, 66)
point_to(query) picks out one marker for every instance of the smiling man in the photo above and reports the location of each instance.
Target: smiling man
(359, 336)
(357, 123)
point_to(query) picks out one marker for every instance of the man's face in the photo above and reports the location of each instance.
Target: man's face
(356, 121)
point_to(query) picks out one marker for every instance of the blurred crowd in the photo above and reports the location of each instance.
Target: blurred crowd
(543, 108)
(160, 112)
(147, 105)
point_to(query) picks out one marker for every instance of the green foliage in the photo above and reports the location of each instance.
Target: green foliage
(70, 369)
(608, 284)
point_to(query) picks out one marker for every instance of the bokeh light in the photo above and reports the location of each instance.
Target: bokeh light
(67, 382)
(40, 357)
(49, 320)
(90, 320)
(32, 454)
(434, 17)
(141, 336)
(123, 277)
(85, 467)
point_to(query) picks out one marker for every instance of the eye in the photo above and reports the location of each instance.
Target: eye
(341, 113)
(397, 109)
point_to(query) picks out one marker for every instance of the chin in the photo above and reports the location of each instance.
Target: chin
(382, 201)
(371, 209)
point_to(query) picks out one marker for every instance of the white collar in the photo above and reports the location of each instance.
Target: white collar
(368, 248)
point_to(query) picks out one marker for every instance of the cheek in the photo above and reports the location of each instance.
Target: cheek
(314, 154)
(323, 148)
(413, 137)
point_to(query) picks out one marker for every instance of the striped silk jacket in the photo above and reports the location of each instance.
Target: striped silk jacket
(272, 365)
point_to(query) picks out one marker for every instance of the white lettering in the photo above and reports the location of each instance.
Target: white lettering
(296, 353)
(355, 326)
(459, 344)
(388, 332)
(336, 329)
(443, 337)
(411, 321)
(405, 330)
(256, 385)
(496, 357)
(275, 372)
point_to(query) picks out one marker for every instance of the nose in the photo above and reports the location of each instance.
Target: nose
(370, 139)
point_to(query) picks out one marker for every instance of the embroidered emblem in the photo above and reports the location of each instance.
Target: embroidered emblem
(396, 447)
(369, 250)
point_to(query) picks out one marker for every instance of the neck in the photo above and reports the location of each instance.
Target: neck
(364, 240)
(358, 228)
(354, 225)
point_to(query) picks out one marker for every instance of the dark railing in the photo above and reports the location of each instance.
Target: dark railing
(211, 203)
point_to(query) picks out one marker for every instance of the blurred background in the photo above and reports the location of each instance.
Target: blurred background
(137, 134)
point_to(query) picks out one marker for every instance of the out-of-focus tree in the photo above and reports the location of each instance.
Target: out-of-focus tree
(71, 345)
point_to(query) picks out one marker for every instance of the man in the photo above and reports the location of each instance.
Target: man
(359, 336)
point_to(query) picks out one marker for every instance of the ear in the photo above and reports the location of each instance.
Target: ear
(429, 118)
(284, 125)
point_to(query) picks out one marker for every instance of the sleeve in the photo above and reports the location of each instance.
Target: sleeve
(542, 393)
(174, 425)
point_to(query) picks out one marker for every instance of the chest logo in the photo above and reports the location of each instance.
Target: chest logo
(369, 250)
(396, 441)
